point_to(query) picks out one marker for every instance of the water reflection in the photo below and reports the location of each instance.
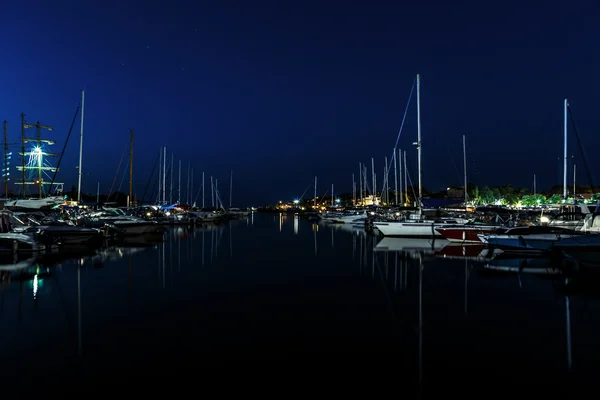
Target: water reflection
(308, 282)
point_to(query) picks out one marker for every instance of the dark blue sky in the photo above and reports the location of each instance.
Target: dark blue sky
(280, 92)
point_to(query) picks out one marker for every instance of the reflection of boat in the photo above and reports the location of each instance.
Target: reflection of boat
(535, 265)
(409, 245)
(350, 228)
(14, 263)
(147, 240)
(469, 252)
(66, 235)
(583, 249)
(59, 257)
(532, 238)
(116, 253)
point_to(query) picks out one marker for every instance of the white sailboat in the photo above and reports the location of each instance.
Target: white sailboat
(416, 226)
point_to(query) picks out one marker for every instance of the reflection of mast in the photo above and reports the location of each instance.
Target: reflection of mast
(79, 348)
(395, 270)
(130, 281)
(568, 320)
(295, 224)
(20, 299)
(315, 229)
(466, 278)
(332, 238)
(420, 329)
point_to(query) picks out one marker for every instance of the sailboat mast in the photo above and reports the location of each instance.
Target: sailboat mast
(465, 166)
(80, 149)
(386, 182)
(373, 175)
(192, 188)
(179, 191)
(187, 197)
(230, 186)
(400, 175)
(395, 177)
(315, 199)
(534, 184)
(419, 136)
(405, 177)
(202, 190)
(130, 166)
(332, 195)
(212, 193)
(160, 163)
(565, 151)
(171, 183)
(353, 190)
(5, 171)
(360, 184)
(164, 187)
(574, 177)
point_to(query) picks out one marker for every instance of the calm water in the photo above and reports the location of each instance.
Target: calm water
(274, 291)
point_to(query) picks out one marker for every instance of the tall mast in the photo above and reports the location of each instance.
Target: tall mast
(80, 150)
(35, 157)
(160, 163)
(332, 195)
(395, 178)
(230, 187)
(385, 183)
(179, 190)
(465, 167)
(131, 166)
(203, 190)
(315, 199)
(565, 151)
(574, 176)
(23, 140)
(400, 175)
(212, 193)
(419, 136)
(192, 189)
(373, 176)
(164, 187)
(405, 177)
(360, 184)
(353, 190)
(171, 183)
(5, 169)
(534, 183)
(187, 197)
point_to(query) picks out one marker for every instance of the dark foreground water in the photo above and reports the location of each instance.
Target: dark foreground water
(274, 297)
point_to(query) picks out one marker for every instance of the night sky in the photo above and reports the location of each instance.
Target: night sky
(282, 91)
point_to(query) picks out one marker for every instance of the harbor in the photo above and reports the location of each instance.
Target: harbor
(280, 288)
(388, 198)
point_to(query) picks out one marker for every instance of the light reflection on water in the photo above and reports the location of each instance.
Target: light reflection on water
(278, 286)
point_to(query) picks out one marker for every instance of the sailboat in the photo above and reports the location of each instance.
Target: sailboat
(415, 226)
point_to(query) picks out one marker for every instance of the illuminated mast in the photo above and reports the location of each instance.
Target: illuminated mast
(33, 166)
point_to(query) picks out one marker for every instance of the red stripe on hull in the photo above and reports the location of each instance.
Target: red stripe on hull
(462, 235)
